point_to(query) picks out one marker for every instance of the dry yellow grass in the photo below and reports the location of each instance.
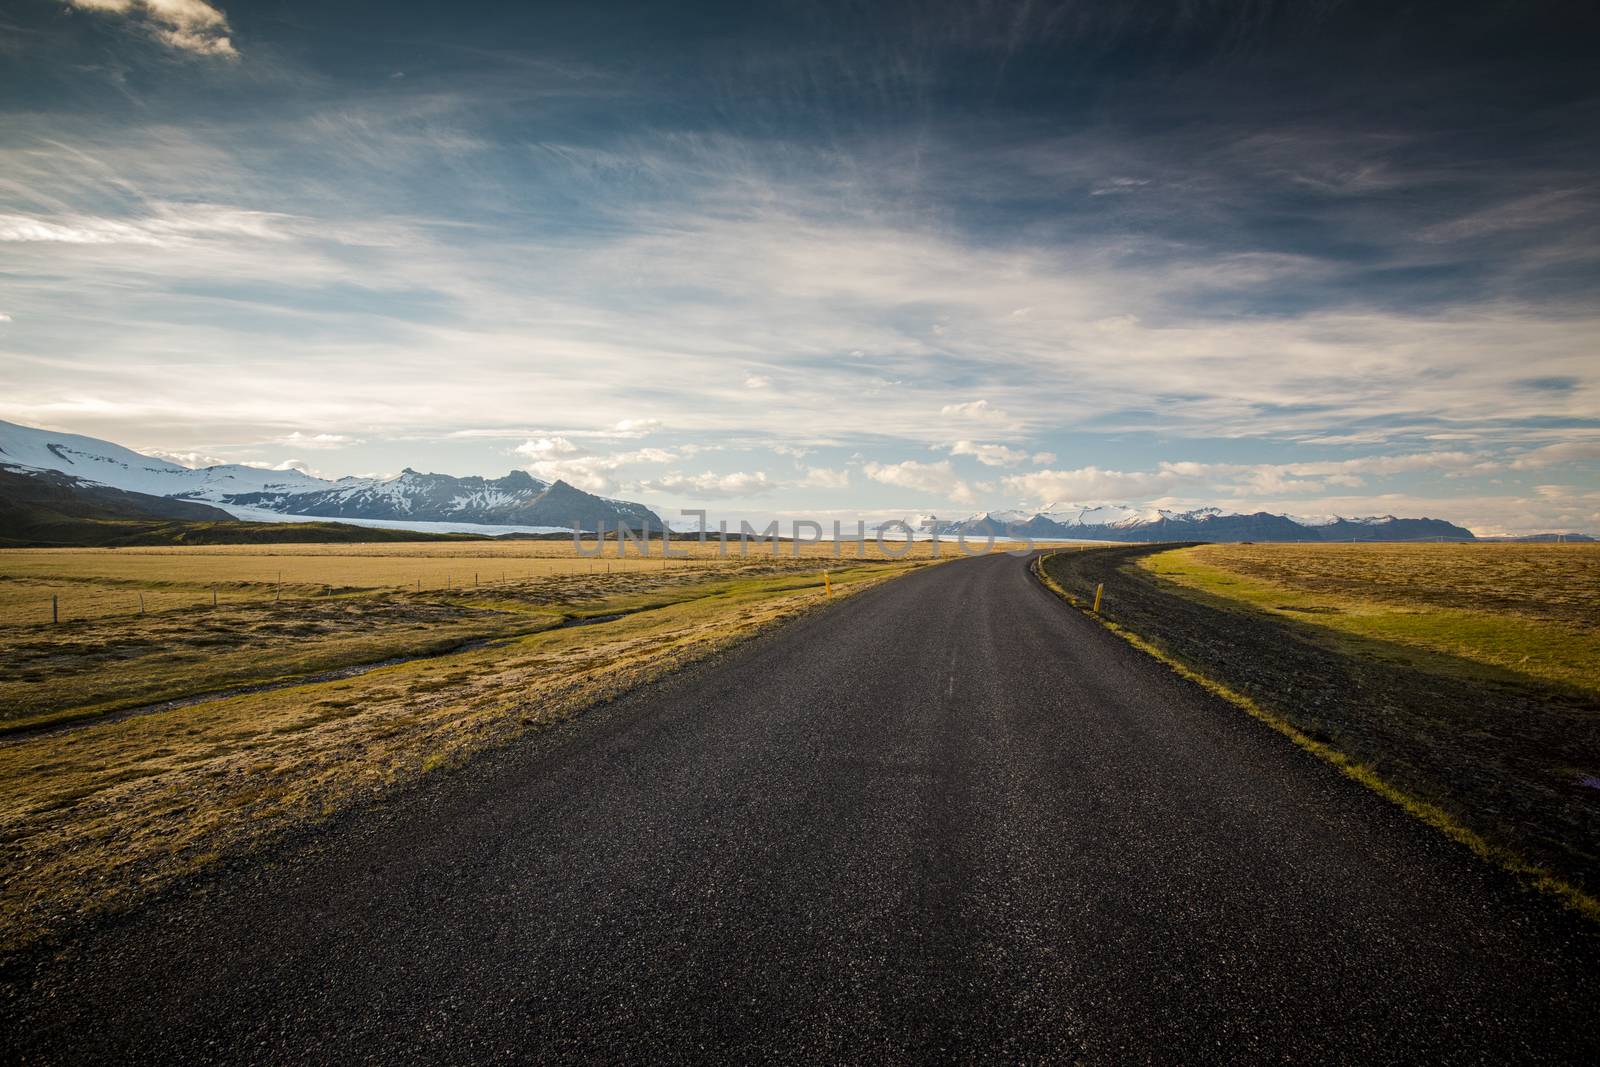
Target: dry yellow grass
(1554, 582)
(105, 660)
(98, 815)
(95, 582)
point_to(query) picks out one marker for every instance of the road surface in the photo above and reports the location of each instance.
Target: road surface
(946, 819)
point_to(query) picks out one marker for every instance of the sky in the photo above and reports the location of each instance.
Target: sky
(823, 260)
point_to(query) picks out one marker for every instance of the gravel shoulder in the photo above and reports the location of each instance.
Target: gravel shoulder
(1503, 760)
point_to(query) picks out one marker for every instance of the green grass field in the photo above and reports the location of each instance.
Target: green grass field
(1508, 610)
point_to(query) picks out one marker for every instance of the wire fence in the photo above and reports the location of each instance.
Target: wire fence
(82, 601)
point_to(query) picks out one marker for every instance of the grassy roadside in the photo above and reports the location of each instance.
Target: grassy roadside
(1542, 628)
(96, 818)
(86, 672)
(104, 664)
(1497, 766)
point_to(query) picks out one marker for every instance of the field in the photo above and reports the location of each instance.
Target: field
(91, 582)
(1529, 610)
(1460, 680)
(136, 749)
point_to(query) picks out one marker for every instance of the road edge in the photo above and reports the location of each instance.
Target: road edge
(1531, 875)
(809, 600)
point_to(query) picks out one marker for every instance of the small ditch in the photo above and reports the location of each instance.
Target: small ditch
(25, 733)
(355, 670)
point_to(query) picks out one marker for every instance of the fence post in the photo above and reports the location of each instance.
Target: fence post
(55, 609)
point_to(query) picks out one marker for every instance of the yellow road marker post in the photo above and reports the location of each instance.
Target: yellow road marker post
(1098, 589)
(827, 584)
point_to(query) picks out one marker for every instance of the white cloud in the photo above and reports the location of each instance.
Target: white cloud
(935, 478)
(825, 478)
(1540, 209)
(1556, 455)
(974, 409)
(193, 460)
(1086, 484)
(735, 484)
(303, 468)
(4, 317)
(544, 447)
(635, 427)
(1119, 185)
(1226, 479)
(317, 440)
(996, 455)
(187, 25)
(168, 226)
(594, 473)
(757, 381)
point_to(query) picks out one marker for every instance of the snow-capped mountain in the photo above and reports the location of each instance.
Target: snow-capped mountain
(112, 465)
(1067, 514)
(518, 499)
(1121, 522)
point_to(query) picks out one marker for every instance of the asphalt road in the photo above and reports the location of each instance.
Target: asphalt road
(947, 819)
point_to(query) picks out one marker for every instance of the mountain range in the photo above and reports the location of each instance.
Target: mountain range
(77, 475)
(241, 491)
(1110, 522)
